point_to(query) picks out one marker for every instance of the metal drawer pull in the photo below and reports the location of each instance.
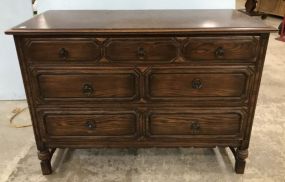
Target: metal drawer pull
(197, 83)
(87, 89)
(63, 53)
(90, 124)
(220, 52)
(141, 53)
(195, 127)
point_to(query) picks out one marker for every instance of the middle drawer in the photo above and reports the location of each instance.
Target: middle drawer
(125, 85)
(53, 85)
(199, 84)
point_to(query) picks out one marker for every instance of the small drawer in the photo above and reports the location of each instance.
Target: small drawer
(221, 48)
(160, 50)
(199, 84)
(83, 123)
(86, 85)
(62, 50)
(195, 122)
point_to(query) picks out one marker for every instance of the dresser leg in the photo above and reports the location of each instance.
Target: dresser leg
(240, 156)
(45, 157)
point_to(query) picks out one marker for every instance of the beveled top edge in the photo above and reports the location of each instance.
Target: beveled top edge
(140, 21)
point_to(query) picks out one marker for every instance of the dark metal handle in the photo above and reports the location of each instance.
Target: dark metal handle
(141, 53)
(63, 53)
(197, 83)
(90, 124)
(195, 127)
(220, 52)
(87, 89)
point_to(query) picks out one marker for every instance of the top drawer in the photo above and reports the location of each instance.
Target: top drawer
(142, 49)
(62, 50)
(244, 48)
(139, 50)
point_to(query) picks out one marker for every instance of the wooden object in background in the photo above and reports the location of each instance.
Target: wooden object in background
(159, 78)
(274, 7)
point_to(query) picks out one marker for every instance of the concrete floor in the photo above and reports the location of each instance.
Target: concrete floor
(16, 142)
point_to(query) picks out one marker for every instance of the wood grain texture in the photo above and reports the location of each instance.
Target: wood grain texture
(143, 21)
(180, 124)
(181, 85)
(227, 83)
(49, 50)
(141, 50)
(142, 78)
(234, 48)
(196, 123)
(63, 85)
(104, 125)
(54, 86)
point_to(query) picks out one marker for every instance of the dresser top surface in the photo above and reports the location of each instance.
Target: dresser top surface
(140, 21)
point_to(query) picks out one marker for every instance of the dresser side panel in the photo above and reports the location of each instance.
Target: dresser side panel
(256, 86)
(28, 90)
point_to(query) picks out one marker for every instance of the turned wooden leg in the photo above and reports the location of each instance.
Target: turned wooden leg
(45, 157)
(240, 156)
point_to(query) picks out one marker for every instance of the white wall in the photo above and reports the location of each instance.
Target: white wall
(12, 12)
(44, 5)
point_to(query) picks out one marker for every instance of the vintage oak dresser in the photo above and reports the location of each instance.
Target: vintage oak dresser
(156, 78)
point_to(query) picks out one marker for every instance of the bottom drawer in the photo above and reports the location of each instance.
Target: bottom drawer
(94, 124)
(161, 126)
(196, 123)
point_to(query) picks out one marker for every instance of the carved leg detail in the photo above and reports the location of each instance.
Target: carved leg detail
(240, 156)
(45, 157)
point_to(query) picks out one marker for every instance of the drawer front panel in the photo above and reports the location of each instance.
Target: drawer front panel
(62, 50)
(87, 85)
(195, 123)
(160, 50)
(221, 48)
(96, 124)
(186, 84)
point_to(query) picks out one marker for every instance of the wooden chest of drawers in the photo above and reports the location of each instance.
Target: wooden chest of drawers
(142, 79)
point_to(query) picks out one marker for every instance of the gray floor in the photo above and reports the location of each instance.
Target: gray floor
(266, 162)
(14, 142)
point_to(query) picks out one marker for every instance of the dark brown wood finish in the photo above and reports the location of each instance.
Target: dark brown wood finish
(70, 85)
(62, 50)
(144, 50)
(196, 123)
(194, 83)
(221, 48)
(140, 21)
(171, 78)
(105, 124)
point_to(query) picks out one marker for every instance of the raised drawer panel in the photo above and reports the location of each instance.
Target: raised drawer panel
(62, 50)
(160, 50)
(71, 85)
(84, 123)
(141, 50)
(188, 84)
(195, 123)
(221, 48)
